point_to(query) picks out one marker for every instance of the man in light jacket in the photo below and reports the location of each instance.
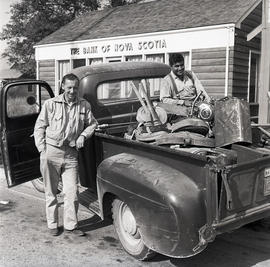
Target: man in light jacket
(62, 127)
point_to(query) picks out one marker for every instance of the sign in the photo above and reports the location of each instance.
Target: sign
(148, 44)
(120, 47)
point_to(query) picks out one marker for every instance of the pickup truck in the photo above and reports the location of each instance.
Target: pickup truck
(162, 200)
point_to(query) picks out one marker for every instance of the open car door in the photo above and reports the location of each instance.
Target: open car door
(21, 103)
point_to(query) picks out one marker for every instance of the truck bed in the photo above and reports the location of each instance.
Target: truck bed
(236, 179)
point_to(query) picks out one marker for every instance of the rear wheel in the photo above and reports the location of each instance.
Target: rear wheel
(128, 231)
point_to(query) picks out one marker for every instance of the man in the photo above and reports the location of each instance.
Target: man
(181, 87)
(62, 127)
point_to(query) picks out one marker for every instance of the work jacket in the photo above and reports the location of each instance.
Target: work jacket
(52, 120)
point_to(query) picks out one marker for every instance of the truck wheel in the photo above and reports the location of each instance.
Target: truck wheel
(128, 232)
(39, 185)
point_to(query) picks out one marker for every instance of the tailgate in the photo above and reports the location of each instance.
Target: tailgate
(245, 189)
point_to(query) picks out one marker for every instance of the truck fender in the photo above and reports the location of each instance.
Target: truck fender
(168, 206)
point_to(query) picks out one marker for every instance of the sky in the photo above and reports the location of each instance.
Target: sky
(4, 19)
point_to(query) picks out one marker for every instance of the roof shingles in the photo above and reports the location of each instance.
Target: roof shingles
(161, 15)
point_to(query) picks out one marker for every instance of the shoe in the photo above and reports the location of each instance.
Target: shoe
(54, 231)
(76, 232)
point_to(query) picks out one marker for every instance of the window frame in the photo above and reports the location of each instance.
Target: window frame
(133, 99)
(258, 54)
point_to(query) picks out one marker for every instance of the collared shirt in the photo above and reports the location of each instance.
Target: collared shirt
(70, 122)
(59, 122)
(174, 89)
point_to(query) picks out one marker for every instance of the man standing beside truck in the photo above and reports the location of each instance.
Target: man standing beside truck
(62, 127)
(181, 87)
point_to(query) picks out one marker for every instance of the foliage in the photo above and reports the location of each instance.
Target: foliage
(31, 21)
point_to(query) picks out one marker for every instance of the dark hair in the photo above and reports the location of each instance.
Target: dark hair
(175, 58)
(71, 77)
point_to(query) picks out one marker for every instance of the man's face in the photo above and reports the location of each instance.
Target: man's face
(178, 68)
(71, 89)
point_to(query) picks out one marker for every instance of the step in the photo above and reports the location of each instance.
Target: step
(89, 199)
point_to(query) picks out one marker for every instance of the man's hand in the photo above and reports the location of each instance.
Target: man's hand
(80, 142)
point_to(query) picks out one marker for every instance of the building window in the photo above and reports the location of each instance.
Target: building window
(63, 69)
(94, 61)
(253, 78)
(134, 58)
(76, 63)
(155, 84)
(113, 59)
(186, 56)
(156, 58)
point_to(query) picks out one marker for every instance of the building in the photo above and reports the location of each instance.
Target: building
(215, 36)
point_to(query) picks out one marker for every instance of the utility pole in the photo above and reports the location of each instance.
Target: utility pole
(264, 85)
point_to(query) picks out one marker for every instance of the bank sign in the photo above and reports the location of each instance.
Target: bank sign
(154, 43)
(121, 47)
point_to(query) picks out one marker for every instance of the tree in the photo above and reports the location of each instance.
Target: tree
(31, 21)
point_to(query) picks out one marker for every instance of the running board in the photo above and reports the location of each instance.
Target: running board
(89, 199)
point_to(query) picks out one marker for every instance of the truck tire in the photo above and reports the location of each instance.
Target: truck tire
(128, 232)
(39, 185)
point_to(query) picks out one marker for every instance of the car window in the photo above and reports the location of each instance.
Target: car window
(124, 90)
(25, 99)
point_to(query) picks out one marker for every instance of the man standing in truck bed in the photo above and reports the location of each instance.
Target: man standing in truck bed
(181, 87)
(62, 126)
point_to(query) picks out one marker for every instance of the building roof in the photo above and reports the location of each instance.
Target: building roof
(157, 16)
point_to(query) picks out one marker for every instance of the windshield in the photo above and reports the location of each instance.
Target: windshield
(126, 90)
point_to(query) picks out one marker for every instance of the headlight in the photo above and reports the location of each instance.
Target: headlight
(205, 112)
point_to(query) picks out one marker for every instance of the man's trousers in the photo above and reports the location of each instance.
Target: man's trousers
(56, 163)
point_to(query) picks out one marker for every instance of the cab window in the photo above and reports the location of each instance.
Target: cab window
(123, 90)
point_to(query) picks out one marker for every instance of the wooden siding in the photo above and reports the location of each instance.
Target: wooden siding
(47, 72)
(241, 52)
(210, 67)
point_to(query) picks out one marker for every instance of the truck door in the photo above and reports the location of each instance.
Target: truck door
(20, 105)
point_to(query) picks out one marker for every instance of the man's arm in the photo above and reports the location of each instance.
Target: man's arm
(40, 128)
(90, 122)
